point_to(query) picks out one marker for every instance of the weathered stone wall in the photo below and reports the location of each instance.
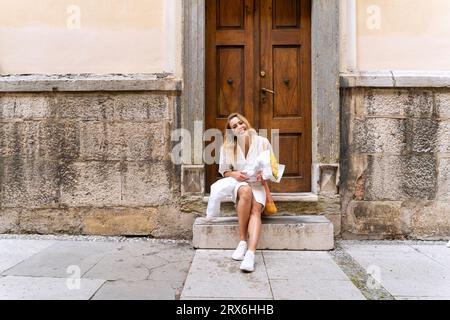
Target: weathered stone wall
(395, 163)
(94, 163)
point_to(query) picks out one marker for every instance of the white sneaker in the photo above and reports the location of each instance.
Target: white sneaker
(240, 251)
(448, 244)
(248, 265)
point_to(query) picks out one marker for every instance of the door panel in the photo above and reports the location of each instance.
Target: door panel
(256, 44)
(286, 14)
(230, 14)
(230, 66)
(287, 82)
(285, 59)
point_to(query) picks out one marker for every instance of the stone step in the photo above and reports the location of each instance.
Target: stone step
(312, 233)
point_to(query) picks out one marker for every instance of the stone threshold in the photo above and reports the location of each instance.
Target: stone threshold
(396, 79)
(89, 82)
(284, 197)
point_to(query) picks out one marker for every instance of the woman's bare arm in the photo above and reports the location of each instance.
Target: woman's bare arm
(238, 175)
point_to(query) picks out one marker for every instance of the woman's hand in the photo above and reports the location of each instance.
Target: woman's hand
(259, 177)
(239, 176)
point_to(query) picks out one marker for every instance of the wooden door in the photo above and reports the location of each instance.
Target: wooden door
(258, 63)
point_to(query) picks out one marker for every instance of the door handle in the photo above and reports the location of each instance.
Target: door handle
(267, 91)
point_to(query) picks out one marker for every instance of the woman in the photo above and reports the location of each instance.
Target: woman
(241, 148)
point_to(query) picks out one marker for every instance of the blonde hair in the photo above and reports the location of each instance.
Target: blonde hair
(230, 143)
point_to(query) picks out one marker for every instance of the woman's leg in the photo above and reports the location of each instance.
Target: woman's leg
(254, 225)
(245, 196)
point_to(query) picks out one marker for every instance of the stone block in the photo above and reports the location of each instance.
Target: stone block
(92, 184)
(50, 221)
(401, 177)
(146, 184)
(399, 102)
(51, 139)
(85, 106)
(119, 221)
(420, 103)
(124, 141)
(193, 179)
(174, 224)
(443, 104)
(374, 219)
(379, 135)
(328, 179)
(9, 220)
(314, 233)
(444, 179)
(429, 220)
(29, 183)
(25, 106)
(59, 139)
(385, 102)
(443, 137)
(336, 220)
(112, 107)
(383, 178)
(424, 135)
(19, 139)
(141, 106)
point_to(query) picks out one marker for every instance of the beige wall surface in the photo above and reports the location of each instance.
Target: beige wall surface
(86, 36)
(144, 36)
(403, 34)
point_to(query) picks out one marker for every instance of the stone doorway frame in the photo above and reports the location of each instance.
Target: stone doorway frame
(325, 94)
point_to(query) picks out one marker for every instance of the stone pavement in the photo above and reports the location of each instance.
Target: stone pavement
(82, 268)
(77, 268)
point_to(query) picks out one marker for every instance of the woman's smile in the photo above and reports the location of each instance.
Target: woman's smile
(238, 126)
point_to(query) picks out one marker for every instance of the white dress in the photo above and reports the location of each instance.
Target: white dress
(257, 146)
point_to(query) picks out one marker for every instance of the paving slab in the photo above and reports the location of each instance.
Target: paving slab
(55, 259)
(308, 276)
(214, 275)
(387, 250)
(302, 255)
(139, 290)
(439, 254)
(422, 298)
(177, 252)
(13, 252)
(409, 273)
(283, 265)
(141, 261)
(43, 288)
(314, 289)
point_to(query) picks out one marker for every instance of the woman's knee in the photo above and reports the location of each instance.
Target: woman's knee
(245, 193)
(256, 210)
